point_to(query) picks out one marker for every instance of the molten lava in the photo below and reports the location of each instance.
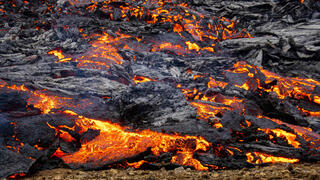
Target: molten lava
(59, 55)
(115, 143)
(196, 34)
(103, 53)
(40, 99)
(283, 87)
(290, 137)
(207, 110)
(17, 175)
(259, 158)
(141, 79)
(312, 138)
(257, 79)
(207, 30)
(137, 165)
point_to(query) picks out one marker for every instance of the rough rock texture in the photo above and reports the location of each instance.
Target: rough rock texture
(285, 41)
(295, 171)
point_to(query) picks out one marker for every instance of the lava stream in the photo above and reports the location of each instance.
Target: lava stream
(115, 143)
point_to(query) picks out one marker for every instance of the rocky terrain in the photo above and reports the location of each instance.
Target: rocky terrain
(277, 171)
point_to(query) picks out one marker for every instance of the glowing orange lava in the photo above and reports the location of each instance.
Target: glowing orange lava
(290, 137)
(312, 138)
(17, 175)
(103, 53)
(39, 99)
(59, 55)
(141, 79)
(283, 87)
(115, 143)
(259, 158)
(207, 110)
(104, 50)
(214, 83)
(137, 164)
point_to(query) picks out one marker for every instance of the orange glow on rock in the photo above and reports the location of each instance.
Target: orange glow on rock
(177, 28)
(244, 86)
(58, 153)
(186, 158)
(115, 143)
(312, 138)
(178, 49)
(59, 55)
(310, 113)
(214, 83)
(136, 165)
(192, 46)
(207, 110)
(141, 79)
(103, 53)
(259, 158)
(64, 135)
(17, 175)
(290, 137)
(39, 148)
(183, 20)
(291, 87)
(248, 123)
(39, 99)
(44, 103)
(197, 76)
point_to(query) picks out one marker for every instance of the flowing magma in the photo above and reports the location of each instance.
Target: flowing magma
(116, 142)
(197, 33)
(194, 34)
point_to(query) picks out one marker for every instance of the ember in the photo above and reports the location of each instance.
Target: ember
(151, 84)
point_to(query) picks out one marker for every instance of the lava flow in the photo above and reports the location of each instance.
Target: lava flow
(104, 52)
(284, 87)
(203, 33)
(39, 99)
(258, 158)
(210, 107)
(115, 143)
(141, 79)
(138, 86)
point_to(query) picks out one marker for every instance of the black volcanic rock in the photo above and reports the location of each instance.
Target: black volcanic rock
(285, 40)
(12, 101)
(12, 163)
(154, 104)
